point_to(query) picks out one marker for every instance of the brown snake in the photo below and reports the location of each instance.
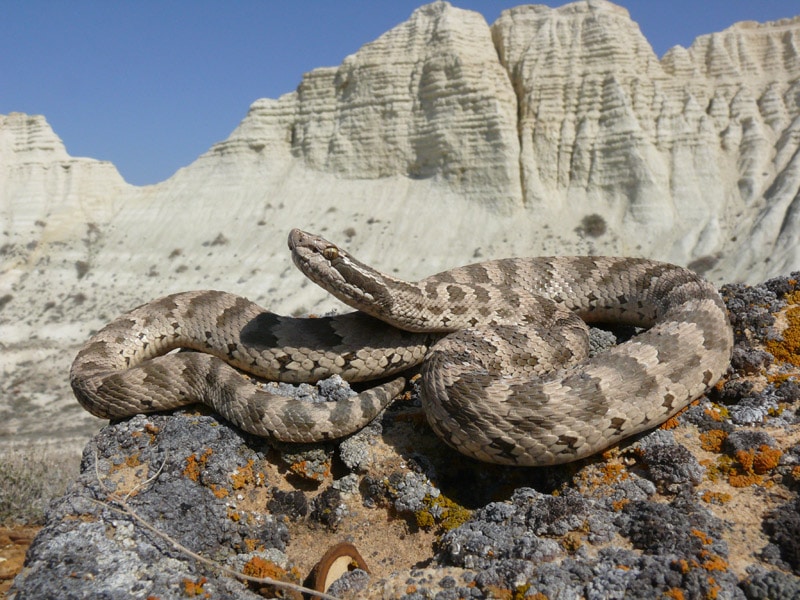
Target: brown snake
(512, 384)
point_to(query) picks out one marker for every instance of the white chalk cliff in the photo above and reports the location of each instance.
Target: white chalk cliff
(442, 142)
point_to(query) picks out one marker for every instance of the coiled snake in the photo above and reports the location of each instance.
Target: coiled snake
(512, 384)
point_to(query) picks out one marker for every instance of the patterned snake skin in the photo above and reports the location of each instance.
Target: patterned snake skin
(512, 385)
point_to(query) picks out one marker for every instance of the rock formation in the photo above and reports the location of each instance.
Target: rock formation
(427, 99)
(444, 141)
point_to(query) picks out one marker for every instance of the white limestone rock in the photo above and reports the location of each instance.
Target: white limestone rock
(676, 156)
(443, 142)
(426, 99)
(39, 180)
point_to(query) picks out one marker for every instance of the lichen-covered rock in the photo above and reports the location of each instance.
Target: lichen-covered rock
(767, 585)
(783, 527)
(669, 464)
(184, 476)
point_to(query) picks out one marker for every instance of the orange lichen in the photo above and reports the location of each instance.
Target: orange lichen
(683, 565)
(712, 440)
(591, 478)
(195, 588)
(132, 461)
(787, 350)
(715, 497)
(714, 590)
(745, 458)
(614, 472)
(246, 475)
(766, 459)
(706, 560)
(674, 594)
(219, 491)
(713, 562)
(744, 469)
(744, 480)
(234, 515)
(671, 423)
(752, 465)
(195, 464)
(703, 537)
(717, 413)
(610, 453)
(306, 470)
(261, 568)
(618, 505)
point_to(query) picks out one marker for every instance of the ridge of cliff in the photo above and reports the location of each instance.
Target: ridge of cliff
(443, 142)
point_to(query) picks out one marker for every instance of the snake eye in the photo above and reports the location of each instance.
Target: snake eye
(331, 253)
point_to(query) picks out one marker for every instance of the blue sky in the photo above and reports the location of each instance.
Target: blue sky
(150, 85)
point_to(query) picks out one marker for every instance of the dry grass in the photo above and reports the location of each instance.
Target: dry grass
(30, 477)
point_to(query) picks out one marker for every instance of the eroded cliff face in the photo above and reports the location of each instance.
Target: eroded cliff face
(444, 141)
(686, 149)
(578, 125)
(427, 99)
(40, 182)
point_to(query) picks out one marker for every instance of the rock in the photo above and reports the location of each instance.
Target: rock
(669, 464)
(424, 100)
(89, 543)
(783, 527)
(763, 585)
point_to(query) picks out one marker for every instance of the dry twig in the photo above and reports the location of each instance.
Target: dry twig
(124, 508)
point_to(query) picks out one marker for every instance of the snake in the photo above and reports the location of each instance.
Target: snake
(501, 347)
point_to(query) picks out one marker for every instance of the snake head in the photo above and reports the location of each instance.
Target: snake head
(335, 270)
(304, 244)
(315, 256)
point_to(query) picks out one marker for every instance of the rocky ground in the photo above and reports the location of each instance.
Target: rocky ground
(704, 507)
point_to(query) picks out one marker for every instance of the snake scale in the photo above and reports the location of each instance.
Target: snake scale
(506, 377)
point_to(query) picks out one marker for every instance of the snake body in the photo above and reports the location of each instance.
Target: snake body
(505, 373)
